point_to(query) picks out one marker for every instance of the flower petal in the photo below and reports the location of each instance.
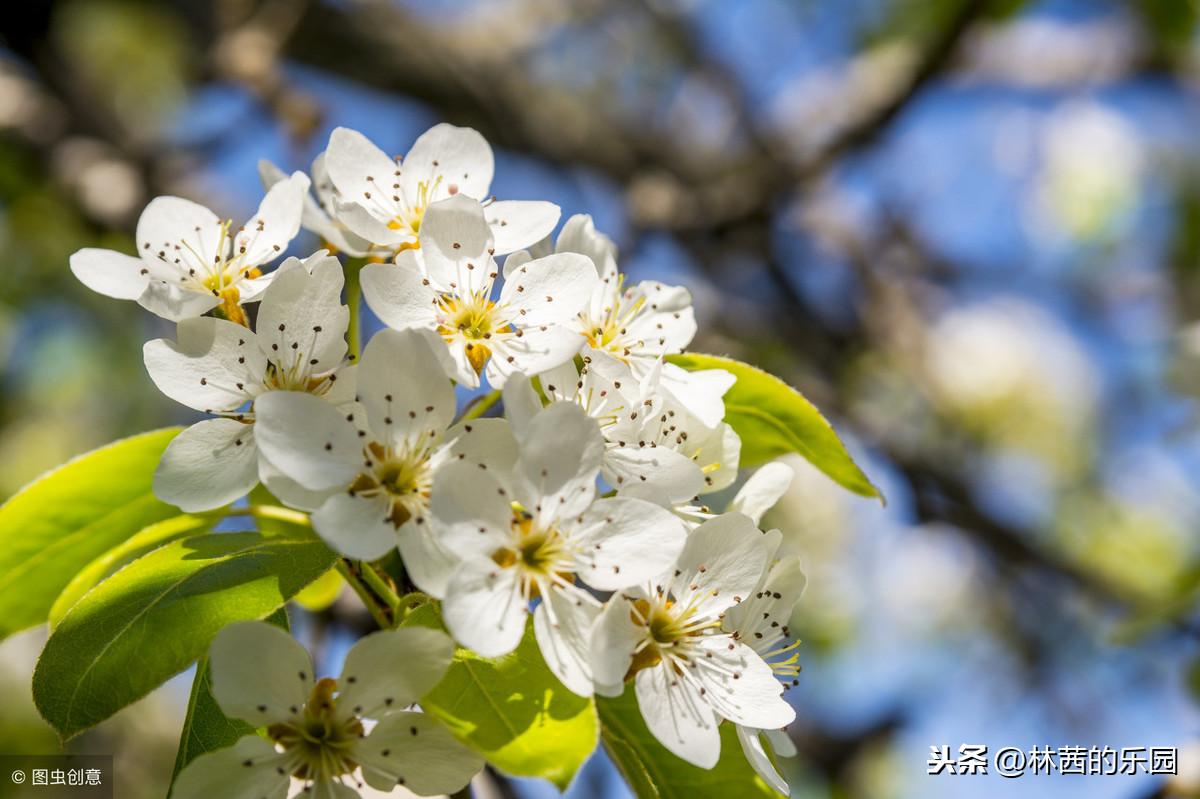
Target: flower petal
(551, 290)
(764, 488)
(271, 229)
(110, 273)
(174, 303)
(740, 686)
(307, 439)
(555, 475)
(172, 227)
(625, 541)
(535, 351)
(756, 755)
(471, 509)
(414, 750)
(520, 223)
(667, 322)
(722, 563)
(700, 392)
(489, 442)
(248, 768)
(287, 490)
(214, 365)
(614, 637)
(521, 402)
(208, 465)
(403, 386)
(456, 245)
(484, 609)
(356, 526)
(260, 673)
(400, 294)
(302, 322)
(563, 623)
(459, 157)
(428, 563)
(579, 235)
(656, 473)
(387, 671)
(678, 716)
(362, 173)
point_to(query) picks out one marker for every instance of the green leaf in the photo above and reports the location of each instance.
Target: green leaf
(774, 419)
(68, 517)
(653, 772)
(206, 728)
(512, 709)
(322, 593)
(150, 620)
(113, 560)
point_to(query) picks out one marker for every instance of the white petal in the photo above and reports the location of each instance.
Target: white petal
(276, 223)
(579, 235)
(753, 696)
(614, 637)
(773, 604)
(387, 671)
(678, 716)
(561, 382)
(535, 351)
(625, 542)
(764, 488)
(428, 563)
(302, 319)
(225, 773)
(759, 761)
(550, 290)
(357, 527)
(781, 742)
(700, 392)
(521, 403)
(403, 386)
(168, 223)
(419, 753)
(399, 293)
(484, 441)
(208, 465)
(655, 473)
(367, 225)
(173, 303)
(562, 623)
(726, 554)
(287, 490)
(260, 673)
(718, 453)
(362, 173)
(560, 457)
(460, 157)
(456, 245)
(471, 510)
(483, 608)
(110, 273)
(215, 365)
(307, 439)
(520, 223)
(667, 322)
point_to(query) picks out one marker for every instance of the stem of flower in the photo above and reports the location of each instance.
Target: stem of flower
(379, 585)
(353, 302)
(347, 570)
(480, 405)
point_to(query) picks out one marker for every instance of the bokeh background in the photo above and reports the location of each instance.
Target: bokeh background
(968, 230)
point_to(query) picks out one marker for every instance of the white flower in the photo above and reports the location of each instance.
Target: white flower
(222, 368)
(384, 200)
(190, 262)
(688, 671)
(762, 623)
(544, 539)
(447, 287)
(317, 731)
(317, 216)
(640, 324)
(368, 473)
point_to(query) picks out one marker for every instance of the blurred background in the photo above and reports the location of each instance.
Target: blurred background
(968, 230)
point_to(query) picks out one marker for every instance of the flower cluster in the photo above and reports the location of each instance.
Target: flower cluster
(585, 505)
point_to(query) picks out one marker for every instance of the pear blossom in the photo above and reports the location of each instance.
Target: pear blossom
(319, 733)
(546, 538)
(190, 262)
(317, 216)
(761, 622)
(223, 369)
(638, 324)
(384, 200)
(667, 635)
(368, 473)
(447, 286)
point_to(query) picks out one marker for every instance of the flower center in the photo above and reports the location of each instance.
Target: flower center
(409, 220)
(541, 554)
(403, 477)
(608, 332)
(670, 628)
(319, 741)
(473, 318)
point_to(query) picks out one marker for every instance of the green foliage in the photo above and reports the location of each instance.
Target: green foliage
(322, 593)
(206, 728)
(65, 519)
(512, 709)
(774, 419)
(654, 773)
(150, 620)
(149, 539)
